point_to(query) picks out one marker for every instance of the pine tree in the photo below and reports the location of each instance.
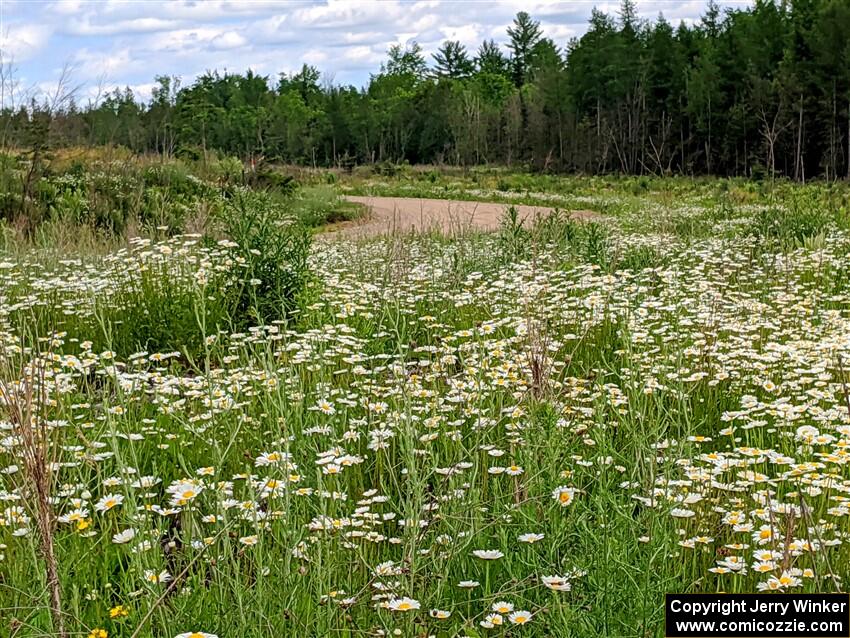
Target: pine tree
(452, 61)
(490, 59)
(524, 36)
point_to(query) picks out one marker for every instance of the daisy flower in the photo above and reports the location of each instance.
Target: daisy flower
(124, 536)
(108, 502)
(492, 620)
(487, 554)
(403, 604)
(564, 495)
(520, 617)
(157, 578)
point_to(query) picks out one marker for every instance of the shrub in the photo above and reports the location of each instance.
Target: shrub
(276, 182)
(595, 244)
(637, 258)
(585, 240)
(273, 246)
(318, 205)
(579, 240)
(389, 169)
(10, 186)
(514, 240)
(804, 216)
(226, 170)
(159, 310)
(145, 299)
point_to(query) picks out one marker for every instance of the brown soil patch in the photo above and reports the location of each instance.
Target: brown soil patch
(407, 214)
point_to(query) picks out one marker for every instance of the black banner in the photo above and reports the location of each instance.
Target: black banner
(757, 615)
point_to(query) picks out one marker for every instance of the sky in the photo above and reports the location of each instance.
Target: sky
(109, 43)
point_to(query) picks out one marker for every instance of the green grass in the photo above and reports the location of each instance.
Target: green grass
(678, 368)
(321, 205)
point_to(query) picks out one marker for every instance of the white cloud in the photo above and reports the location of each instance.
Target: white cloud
(66, 7)
(229, 40)
(23, 41)
(85, 26)
(469, 35)
(92, 67)
(130, 42)
(348, 14)
(316, 57)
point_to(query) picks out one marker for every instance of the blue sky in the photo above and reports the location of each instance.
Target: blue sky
(108, 43)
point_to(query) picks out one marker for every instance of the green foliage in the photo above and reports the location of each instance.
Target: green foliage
(153, 304)
(759, 92)
(133, 195)
(157, 310)
(524, 34)
(226, 170)
(157, 303)
(271, 180)
(452, 61)
(10, 185)
(592, 243)
(318, 205)
(583, 241)
(578, 241)
(463, 383)
(273, 246)
(388, 169)
(796, 220)
(514, 240)
(637, 258)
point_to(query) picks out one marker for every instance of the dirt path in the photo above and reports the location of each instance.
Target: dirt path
(404, 214)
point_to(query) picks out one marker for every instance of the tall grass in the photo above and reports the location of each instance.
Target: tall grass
(426, 435)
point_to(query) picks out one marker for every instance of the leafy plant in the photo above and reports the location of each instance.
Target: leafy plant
(514, 240)
(272, 246)
(803, 216)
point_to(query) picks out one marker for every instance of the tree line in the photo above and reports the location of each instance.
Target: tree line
(758, 91)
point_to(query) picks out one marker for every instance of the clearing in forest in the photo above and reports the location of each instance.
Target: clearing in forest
(391, 214)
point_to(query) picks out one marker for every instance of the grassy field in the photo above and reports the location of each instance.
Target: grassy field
(251, 430)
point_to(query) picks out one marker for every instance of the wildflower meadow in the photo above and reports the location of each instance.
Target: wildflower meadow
(260, 430)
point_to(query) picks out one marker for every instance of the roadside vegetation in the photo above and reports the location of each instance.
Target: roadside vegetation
(218, 422)
(220, 419)
(111, 193)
